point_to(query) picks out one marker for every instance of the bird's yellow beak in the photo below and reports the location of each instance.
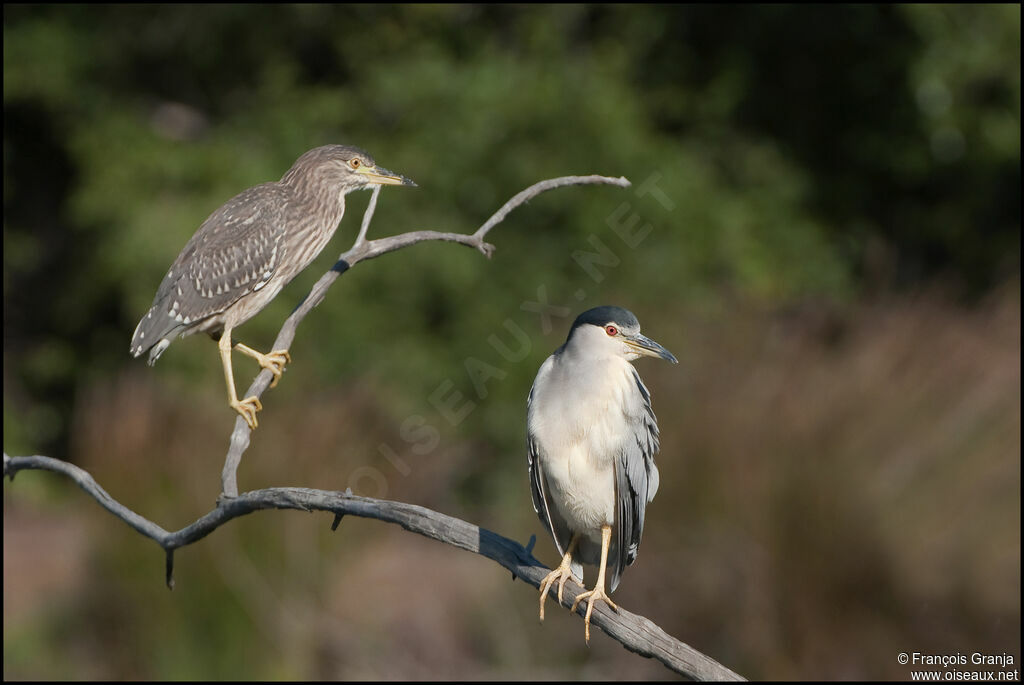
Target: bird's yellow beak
(381, 176)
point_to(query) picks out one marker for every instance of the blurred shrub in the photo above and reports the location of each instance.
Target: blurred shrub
(781, 157)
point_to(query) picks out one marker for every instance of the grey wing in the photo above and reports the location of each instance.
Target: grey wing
(636, 482)
(542, 504)
(236, 251)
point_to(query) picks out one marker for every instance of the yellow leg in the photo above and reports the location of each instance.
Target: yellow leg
(250, 405)
(598, 591)
(560, 574)
(272, 361)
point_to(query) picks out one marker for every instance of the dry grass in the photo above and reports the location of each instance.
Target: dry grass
(836, 489)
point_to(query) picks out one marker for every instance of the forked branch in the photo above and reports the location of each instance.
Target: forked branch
(635, 633)
(363, 250)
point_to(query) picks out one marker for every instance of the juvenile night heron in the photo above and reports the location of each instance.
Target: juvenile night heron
(592, 437)
(249, 249)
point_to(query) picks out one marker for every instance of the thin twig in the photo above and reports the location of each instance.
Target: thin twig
(363, 250)
(541, 187)
(634, 632)
(367, 216)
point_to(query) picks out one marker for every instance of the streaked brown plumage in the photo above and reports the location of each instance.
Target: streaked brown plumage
(248, 250)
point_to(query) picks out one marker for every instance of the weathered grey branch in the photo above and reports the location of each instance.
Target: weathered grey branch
(634, 632)
(363, 250)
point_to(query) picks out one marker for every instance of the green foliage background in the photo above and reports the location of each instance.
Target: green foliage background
(816, 159)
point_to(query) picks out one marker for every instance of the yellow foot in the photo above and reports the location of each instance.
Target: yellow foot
(597, 593)
(248, 408)
(274, 362)
(559, 575)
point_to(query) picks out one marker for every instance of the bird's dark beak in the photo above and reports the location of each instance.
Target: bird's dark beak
(381, 176)
(648, 348)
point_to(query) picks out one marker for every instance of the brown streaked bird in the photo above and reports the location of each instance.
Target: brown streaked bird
(249, 249)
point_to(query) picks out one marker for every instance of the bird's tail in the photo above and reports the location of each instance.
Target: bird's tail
(147, 337)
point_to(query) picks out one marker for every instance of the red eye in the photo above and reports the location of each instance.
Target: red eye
(611, 330)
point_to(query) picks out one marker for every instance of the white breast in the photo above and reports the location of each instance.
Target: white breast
(580, 435)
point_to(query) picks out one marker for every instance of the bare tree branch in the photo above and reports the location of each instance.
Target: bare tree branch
(363, 250)
(635, 633)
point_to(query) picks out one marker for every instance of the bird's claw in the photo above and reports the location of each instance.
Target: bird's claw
(559, 575)
(248, 408)
(274, 362)
(592, 596)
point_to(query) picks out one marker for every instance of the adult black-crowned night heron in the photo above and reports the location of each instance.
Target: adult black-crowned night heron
(592, 437)
(249, 249)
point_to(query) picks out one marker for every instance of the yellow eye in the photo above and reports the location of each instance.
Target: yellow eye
(355, 162)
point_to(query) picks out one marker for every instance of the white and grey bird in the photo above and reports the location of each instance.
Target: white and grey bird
(591, 440)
